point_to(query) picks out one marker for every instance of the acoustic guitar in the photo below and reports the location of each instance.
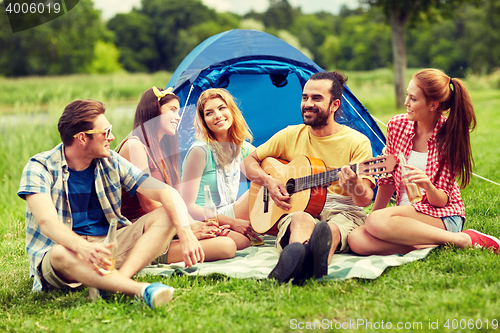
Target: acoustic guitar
(306, 180)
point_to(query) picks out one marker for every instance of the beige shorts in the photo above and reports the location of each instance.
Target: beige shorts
(346, 222)
(126, 237)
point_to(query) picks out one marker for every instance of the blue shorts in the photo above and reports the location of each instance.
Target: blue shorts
(453, 223)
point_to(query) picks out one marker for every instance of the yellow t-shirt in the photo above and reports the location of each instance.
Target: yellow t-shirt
(347, 146)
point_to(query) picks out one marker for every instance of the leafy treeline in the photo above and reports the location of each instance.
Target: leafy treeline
(162, 32)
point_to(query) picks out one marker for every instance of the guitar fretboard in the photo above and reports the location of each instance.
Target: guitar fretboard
(319, 179)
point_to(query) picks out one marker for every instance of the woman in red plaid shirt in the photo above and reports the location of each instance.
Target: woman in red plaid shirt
(438, 152)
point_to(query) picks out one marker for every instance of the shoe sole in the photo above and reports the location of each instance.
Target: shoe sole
(289, 264)
(163, 297)
(306, 272)
(320, 243)
(93, 294)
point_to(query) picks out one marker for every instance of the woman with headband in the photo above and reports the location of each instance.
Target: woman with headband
(154, 148)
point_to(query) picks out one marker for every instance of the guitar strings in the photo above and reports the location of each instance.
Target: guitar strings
(318, 179)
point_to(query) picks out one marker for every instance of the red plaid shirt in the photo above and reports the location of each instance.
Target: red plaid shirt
(400, 133)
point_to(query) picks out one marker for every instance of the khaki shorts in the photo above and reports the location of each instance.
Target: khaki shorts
(126, 237)
(345, 220)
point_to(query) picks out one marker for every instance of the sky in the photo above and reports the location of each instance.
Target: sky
(111, 7)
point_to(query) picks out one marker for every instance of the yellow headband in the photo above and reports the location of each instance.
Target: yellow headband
(163, 93)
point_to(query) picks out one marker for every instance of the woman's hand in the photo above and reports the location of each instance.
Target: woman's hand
(209, 230)
(192, 252)
(244, 227)
(419, 177)
(435, 196)
(206, 230)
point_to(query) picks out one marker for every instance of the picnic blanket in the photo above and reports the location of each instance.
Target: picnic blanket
(258, 261)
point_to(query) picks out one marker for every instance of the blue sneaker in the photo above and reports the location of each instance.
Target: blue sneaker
(157, 294)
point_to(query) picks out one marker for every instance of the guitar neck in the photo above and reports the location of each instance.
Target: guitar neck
(320, 179)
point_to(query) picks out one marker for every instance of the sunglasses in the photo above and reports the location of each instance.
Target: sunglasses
(106, 131)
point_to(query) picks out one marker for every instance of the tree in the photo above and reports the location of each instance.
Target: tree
(167, 18)
(65, 45)
(134, 38)
(162, 32)
(106, 59)
(312, 31)
(481, 40)
(279, 15)
(438, 45)
(158, 35)
(198, 33)
(364, 42)
(400, 13)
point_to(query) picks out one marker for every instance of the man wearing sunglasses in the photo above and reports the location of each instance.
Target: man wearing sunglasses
(72, 193)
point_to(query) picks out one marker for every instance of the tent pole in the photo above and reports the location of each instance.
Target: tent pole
(363, 120)
(185, 104)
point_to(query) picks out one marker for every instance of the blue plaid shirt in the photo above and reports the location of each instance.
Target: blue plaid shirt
(48, 173)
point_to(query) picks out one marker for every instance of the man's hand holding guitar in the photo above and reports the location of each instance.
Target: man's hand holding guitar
(278, 192)
(357, 187)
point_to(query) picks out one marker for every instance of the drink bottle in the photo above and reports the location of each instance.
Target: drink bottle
(111, 239)
(209, 208)
(412, 189)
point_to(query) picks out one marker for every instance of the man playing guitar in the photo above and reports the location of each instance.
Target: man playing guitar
(307, 244)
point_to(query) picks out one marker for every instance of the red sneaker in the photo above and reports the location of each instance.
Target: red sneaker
(482, 240)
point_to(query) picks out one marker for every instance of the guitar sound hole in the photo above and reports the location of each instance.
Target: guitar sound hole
(290, 186)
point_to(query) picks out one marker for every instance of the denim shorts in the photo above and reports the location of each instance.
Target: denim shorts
(453, 223)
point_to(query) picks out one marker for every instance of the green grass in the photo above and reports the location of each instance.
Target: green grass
(42, 94)
(449, 284)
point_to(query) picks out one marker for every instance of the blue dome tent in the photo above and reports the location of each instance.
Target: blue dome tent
(266, 76)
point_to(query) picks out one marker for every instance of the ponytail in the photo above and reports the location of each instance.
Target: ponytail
(453, 138)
